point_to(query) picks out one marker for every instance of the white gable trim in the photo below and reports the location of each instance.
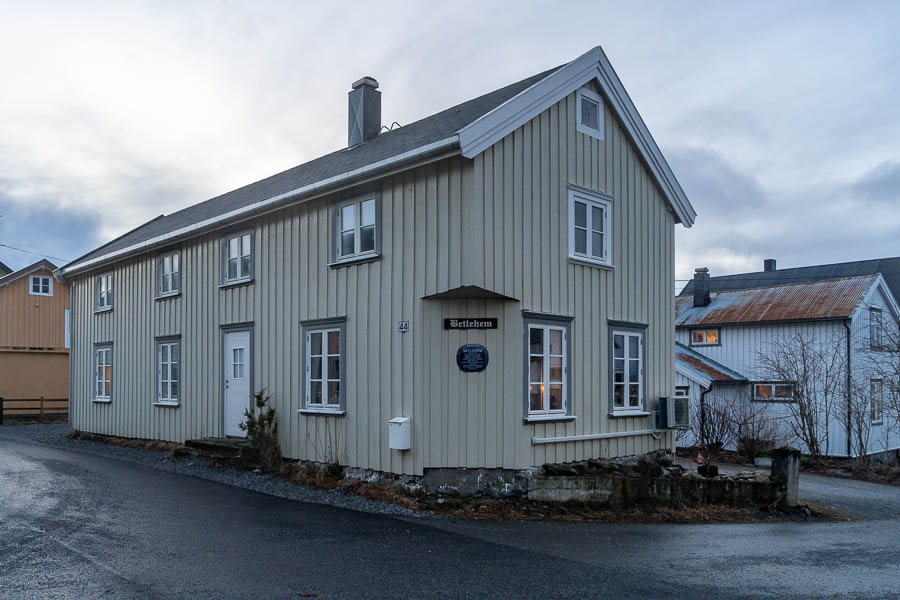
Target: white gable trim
(878, 285)
(498, 123)
(693, 375)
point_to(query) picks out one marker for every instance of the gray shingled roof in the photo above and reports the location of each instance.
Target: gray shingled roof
(389, 144)
(889, 268)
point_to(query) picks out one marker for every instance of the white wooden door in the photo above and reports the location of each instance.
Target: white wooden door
(237, 356)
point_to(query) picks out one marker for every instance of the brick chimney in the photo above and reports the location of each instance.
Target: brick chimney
(701, 287)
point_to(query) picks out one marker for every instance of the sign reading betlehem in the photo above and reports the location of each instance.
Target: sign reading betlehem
(470, 323)
(472, 358)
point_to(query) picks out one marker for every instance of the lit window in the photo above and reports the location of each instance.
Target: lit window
(356, 229)
(168, 278)
(168, 371)
(547, 369)
(103, 294)
(704, 337)
(773, 392)
(102, 373)
(628, 371)
(590, 113)
(589, 235)
(238, 254)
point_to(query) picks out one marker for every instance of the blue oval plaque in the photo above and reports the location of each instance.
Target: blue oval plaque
(472, 358)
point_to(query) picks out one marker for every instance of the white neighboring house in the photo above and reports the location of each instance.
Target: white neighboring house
(726, 341)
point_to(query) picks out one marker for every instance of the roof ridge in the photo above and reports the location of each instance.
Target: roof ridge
(780, 285)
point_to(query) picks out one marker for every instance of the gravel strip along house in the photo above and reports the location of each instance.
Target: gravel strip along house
(489, 287)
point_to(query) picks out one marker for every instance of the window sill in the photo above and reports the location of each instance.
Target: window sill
(629, 413)
(236, 283)
(356, 260)
(168, 404)
(323, 413)
(586, 262)
(547, 419)
(877, 422)
(168, 296)
(101, 400)
(36, 294)
(98, 311)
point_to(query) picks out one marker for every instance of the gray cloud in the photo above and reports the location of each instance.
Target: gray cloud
(879, 185)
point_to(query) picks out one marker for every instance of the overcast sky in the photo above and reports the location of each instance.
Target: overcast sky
(780, 119)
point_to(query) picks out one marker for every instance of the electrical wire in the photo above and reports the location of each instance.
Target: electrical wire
(34, 253)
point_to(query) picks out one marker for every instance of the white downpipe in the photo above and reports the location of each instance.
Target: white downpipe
(592, 436)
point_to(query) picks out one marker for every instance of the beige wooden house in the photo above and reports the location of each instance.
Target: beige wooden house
(497, 277)
(34, 355)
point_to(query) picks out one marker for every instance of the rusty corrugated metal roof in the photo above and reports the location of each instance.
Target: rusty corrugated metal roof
(829, 299)
(705, 365)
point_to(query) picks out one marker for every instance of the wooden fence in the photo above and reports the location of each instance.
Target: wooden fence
(29, 409)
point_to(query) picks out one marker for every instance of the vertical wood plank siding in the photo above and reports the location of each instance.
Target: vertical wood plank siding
(33, 321)
(498, 221)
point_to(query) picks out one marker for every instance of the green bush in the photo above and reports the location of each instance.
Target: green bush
(262, 430)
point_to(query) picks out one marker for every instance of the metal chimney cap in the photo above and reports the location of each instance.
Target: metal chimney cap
(369, 81)
(701, 270)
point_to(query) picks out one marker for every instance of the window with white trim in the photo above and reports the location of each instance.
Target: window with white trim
(238, 253)
(103, 294)
(682, 391)
(356, 229)
(589, 235)
(324, 369)
(103, 373)
(704, 337)
(876, 398)
(40, 285)
(779, 391)
(590, 113)
(876, 328)
(168, 371)
(628, 371)
(168, 274)
(547, 369)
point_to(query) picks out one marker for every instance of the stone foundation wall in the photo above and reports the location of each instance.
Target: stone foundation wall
(648, 480)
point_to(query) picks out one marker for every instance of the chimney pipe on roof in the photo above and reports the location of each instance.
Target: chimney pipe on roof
(701, 287)
(769, 264)
(365, 112)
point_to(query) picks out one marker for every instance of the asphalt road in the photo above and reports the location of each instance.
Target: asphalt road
(76, 525)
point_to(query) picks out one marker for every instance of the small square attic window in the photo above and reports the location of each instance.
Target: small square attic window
(590, 113)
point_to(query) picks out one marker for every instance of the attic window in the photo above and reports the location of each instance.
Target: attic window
(590, 113)
(40, 286)
(704, 337)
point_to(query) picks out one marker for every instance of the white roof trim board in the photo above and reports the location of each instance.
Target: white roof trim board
(471, 140)
(498, 123)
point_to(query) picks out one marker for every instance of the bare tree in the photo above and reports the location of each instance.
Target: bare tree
(815, 366)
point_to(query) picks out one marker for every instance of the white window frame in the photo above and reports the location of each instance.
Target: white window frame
(356, 229)
(244, 242)
(595, 132)
(103, 296)
(627, 408)
(103, 360)
(682, 391)
(41, 279)
(546, 382)
(325, 406)
(164, 377)
(706, 333)
(876, 328)
(173, 274)
(876, 401)
(591, 200)
(772, 397)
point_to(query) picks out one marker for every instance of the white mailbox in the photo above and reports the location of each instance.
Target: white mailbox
(399, 429)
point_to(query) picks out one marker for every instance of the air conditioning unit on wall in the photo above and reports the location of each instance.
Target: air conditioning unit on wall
(673, 413)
